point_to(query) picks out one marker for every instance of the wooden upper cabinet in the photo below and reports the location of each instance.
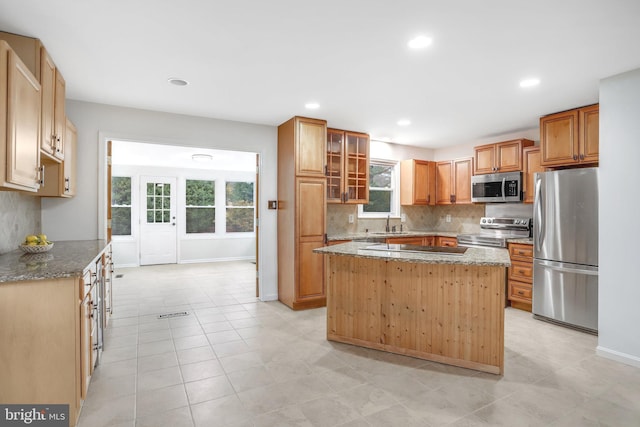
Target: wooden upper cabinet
(453, 181)
(444, 172)
(53, 92)
(48, 81)
(311, 142)
(570, 137)
(500, 157)
(347, 167)
(59, 115)
(19, 123)
(463, 169)
(417, 182)
(60, 178)
(335, 154)
(531, 163)
(589, 136)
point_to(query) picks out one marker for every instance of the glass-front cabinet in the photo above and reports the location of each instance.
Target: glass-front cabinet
(347, 167)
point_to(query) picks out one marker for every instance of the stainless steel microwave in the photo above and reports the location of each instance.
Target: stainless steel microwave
(497, 187)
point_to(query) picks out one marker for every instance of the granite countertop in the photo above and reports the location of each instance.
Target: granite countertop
(473, 256)
(65, 259)
(524, 241)
(382, 234)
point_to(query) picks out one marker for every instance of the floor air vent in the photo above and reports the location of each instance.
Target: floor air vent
(170, 315)
(119, 276)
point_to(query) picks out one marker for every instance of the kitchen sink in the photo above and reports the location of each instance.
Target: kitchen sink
(391, 233)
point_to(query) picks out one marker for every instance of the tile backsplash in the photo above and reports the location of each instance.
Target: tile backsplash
(464, 219)
(19, 216)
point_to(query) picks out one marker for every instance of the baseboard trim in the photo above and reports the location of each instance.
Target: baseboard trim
(618, 356)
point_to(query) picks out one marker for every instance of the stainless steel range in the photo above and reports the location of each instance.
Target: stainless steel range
(496, 231)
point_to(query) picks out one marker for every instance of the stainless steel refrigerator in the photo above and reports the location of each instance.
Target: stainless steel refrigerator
(565, 240)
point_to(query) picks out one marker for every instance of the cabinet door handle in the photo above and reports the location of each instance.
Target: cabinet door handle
(581, 156)
(326, 170)
(575, 157)
(428, 198)
(520, 293)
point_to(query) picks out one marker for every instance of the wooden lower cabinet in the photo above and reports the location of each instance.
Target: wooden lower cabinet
(446, 241)
(48, 331)
(337, 242)
(425, 240)
(520, 283)
(406, 240)
(300, 271)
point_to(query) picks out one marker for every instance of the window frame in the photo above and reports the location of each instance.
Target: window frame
(226, 207)
(395, 191)
(130, 206)
(214, 207)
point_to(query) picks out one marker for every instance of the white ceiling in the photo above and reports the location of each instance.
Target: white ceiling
(260, 61)
(159, 155)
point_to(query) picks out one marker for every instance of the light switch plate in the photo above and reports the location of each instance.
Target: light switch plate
(448, 218)
(403, 218)
(351, 219)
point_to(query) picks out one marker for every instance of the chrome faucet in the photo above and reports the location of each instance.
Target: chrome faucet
(387, 227)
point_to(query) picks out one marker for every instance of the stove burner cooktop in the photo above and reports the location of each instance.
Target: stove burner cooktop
(496, 231)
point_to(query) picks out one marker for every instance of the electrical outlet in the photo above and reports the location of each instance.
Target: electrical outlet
(403, 218)
(351, 219)
(448, 218)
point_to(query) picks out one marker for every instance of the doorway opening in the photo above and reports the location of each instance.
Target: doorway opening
(174, 204)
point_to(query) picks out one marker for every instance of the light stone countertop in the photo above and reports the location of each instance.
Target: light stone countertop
(473, 256)
(65, 259)
(524, 241)
(382, 234)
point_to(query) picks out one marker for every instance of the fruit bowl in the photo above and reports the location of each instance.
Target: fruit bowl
(36, 249)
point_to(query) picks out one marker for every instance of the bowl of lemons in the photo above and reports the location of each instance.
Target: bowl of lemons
(35, 244)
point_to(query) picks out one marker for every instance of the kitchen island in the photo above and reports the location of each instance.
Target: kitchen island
(443, 307)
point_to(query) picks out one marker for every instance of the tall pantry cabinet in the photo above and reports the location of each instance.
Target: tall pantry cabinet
(302, 192)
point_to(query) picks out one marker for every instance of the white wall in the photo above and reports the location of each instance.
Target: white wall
(82, 217)
(390, 151)
(466, 150)
(619, 233)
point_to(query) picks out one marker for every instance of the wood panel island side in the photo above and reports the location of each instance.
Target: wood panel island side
(439, 307)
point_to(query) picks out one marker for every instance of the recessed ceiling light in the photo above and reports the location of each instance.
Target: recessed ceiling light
(178, 82)
(403, 122)
(530, 82)
(201, 158)
(312, 105)
(420, 42)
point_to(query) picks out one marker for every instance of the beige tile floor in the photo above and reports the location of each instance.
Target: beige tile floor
(235, 361)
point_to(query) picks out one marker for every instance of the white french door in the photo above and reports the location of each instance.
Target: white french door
(158, 230)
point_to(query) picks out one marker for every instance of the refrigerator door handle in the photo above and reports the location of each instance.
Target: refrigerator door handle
(504, 196)
(565, 268)
(539, 217)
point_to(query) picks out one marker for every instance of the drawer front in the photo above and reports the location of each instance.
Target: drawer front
(519, 291)
(521, 252)
(450, 242)
(521, 271)
(405, 240)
